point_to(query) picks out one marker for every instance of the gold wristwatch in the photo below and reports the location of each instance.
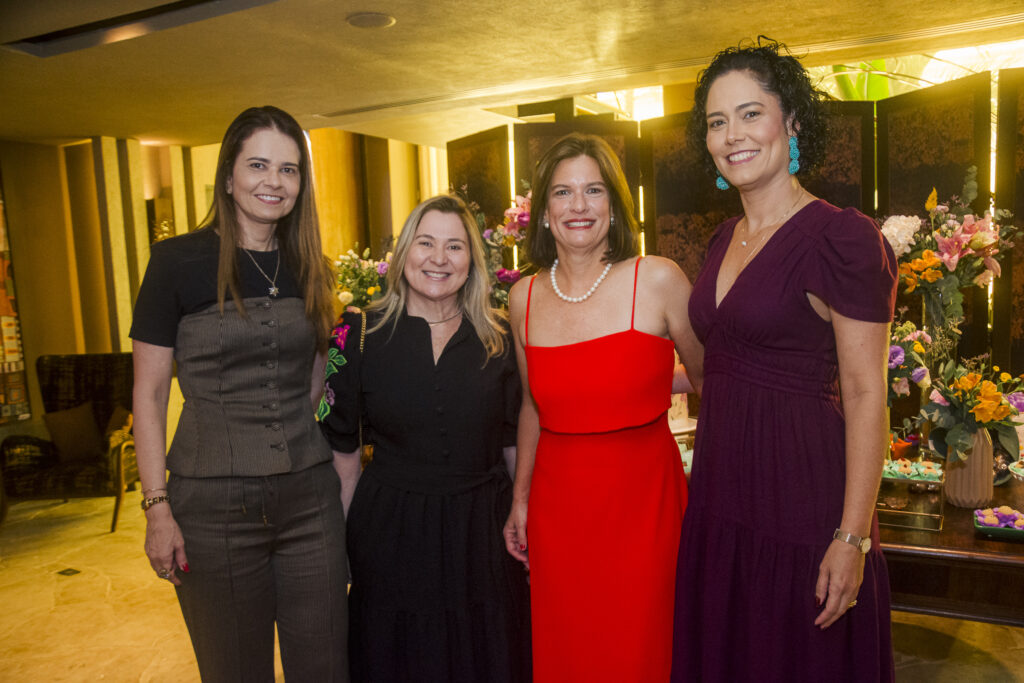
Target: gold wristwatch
(861, 543)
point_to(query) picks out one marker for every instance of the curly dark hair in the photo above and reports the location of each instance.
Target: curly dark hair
(778, 72)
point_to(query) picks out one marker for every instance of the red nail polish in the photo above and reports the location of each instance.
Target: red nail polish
(185, 568)
(817, 601)
(522, 547)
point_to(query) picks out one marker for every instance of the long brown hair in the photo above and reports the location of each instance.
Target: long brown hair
(298, 233)
(622, 234)
(475, 295)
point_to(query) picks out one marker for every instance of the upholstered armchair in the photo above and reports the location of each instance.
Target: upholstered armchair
(86, 398)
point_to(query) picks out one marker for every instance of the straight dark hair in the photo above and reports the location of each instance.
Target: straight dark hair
(298, 233)
(622, 234)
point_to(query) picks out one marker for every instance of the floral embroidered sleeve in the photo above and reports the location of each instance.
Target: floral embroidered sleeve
(341, 405)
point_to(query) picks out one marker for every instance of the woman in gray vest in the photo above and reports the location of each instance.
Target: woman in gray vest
(249, 526)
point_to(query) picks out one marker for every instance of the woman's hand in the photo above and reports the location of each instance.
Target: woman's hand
(165, 546)
(515, 534)
(839, 577)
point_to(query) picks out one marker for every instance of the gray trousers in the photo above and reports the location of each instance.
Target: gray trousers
(264, 550)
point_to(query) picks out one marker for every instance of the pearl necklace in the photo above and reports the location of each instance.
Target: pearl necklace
(577, 299)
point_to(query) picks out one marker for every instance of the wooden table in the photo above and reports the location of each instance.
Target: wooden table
(959, 572)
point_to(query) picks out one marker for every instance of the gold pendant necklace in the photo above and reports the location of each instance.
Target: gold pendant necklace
(272, 290)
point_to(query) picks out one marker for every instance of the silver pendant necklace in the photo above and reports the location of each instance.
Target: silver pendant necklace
(577, 299)
(272, 290)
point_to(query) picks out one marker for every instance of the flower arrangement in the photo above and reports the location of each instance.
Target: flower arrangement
(950, 249)
(908, 354)
(360, 279)
(969, 396)
(500, 242)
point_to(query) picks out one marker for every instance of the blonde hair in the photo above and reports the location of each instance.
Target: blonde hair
(474, 296)
(298, 233)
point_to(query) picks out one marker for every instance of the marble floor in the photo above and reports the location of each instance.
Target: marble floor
(80, 604)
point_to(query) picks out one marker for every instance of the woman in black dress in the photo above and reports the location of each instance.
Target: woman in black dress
(434, 596)
(249, 526)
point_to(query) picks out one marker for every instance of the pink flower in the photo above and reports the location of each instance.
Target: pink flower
(918, 335)
(952, 248)
(984, 278)
(993, 265)
(510, 276)
(901, 387)
(339, 335)
(487, 233)
(936, 397)
(382, 268)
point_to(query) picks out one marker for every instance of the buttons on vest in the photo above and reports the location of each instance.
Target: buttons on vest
(270, 364)
(269, 323)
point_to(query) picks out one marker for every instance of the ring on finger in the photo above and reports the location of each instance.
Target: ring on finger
(852, 604)
(163, 573)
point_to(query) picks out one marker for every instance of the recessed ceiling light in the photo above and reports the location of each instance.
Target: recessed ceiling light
(370, 20)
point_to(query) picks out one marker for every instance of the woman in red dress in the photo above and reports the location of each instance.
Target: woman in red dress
(599, 490)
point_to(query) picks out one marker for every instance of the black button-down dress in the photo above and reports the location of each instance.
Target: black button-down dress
(435, 596)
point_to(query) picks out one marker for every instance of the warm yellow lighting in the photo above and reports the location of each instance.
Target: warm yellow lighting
(641, 195)
(515, 257)
(637, 104)
(643, 245)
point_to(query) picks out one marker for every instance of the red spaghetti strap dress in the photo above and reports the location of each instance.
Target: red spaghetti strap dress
(606, 507)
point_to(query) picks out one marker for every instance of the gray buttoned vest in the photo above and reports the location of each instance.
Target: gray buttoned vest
(246, 384)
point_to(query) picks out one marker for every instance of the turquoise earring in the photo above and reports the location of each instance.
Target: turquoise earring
(721, 183)
(794, 156)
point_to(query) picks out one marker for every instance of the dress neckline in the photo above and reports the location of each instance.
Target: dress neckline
(602, 337)
(732, 231)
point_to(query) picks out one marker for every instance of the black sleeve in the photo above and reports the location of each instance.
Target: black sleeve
(342, 403)
(158, 307)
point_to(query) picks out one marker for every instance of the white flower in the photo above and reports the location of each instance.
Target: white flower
(900, 232)
(345, 297)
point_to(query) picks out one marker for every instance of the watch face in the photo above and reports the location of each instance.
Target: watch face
(865, 545)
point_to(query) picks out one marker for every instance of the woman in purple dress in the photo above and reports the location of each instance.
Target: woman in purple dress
(780, 577)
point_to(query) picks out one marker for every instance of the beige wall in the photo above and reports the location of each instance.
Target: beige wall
(80, 179)
(678, 97)
(204, 171)
(403, 169)
(43, 254)
(338, 180)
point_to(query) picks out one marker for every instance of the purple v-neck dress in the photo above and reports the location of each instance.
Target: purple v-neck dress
(766, 491)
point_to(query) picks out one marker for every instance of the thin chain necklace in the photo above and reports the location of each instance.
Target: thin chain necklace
(272, 290)
(453, 317)
(577, 299)
(766, 232)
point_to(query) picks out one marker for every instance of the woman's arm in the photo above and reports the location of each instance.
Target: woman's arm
(670, 286)
(861, 350)
(349, 467)
(153, 366)
(527, 435)
(316, 383)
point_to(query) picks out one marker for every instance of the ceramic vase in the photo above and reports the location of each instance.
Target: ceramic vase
(969, 483)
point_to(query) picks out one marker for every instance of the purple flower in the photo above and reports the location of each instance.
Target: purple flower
(382, 268)
(936, 397)
(919, 375)
(510, 276)
(329, 394)
(339, 335)
(896, 356)
(487, 233)
(523, 218)
(1016, 399)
